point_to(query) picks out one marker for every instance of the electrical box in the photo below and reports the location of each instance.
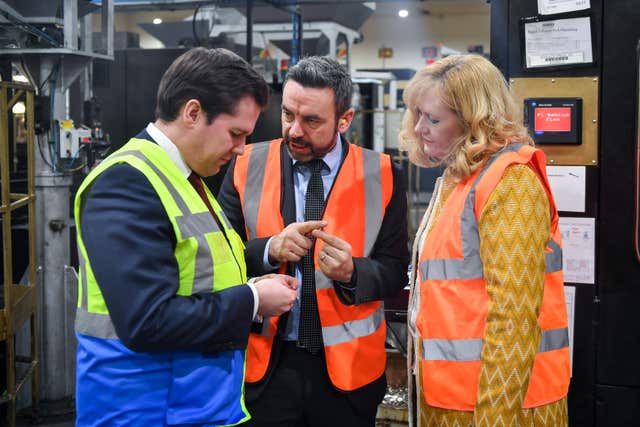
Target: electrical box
(71, 137)
(554, 120)
(68, 139)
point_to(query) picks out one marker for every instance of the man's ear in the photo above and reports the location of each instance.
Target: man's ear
(191, 112)
(345, 120)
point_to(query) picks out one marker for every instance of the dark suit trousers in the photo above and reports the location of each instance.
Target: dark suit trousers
(300, 394)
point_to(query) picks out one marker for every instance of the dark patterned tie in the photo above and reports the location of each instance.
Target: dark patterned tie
(197, 184)
(309, 332)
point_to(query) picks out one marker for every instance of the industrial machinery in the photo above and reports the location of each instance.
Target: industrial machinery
(49, 45)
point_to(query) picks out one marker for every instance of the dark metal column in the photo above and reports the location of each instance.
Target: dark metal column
(296, 36)
(248, 54)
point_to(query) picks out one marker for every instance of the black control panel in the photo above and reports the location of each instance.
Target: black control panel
(554, 120)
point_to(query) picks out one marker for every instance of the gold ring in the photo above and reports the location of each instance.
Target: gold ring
(322, 256)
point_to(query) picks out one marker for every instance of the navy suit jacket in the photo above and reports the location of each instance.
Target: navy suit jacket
(130, 243)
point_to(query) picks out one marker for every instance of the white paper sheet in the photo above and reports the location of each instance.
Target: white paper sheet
(558, 42)
(568, 185)
(570, 298)
(578, 249)
(548, 7)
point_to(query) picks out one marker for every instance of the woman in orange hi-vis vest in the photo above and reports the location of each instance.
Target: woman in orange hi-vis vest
(488, 333)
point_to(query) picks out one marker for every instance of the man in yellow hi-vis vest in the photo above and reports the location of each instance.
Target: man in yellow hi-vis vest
(164, 309)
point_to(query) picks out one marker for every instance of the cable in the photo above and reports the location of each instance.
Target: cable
(30, 28)
(54, 134)
(77, 168)
(196, 39)
(54, 69)
(44, 159)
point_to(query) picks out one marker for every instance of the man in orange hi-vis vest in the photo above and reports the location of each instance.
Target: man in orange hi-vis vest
(333, 215)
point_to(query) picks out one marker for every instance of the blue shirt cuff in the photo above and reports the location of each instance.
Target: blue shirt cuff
(265, 258)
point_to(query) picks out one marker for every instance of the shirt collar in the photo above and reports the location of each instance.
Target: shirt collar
(170, 148)
(333, 157)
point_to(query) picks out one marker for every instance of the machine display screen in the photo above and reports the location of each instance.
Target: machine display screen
(554, 120)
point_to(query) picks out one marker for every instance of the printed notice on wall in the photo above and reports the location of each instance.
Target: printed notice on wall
(578, 249)
(558, 42)
(570, 299)
(568, 187)
(548, 7)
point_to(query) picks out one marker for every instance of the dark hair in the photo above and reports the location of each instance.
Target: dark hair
(323, 72)
(218, 78)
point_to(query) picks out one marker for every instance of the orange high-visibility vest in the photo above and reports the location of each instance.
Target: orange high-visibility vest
(454, 300)
(353, 335)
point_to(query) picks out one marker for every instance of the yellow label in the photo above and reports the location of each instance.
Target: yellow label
(66, 124)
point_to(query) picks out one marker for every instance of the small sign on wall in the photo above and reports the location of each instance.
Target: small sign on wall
(430, 51)
(578, 249)
(385, 52)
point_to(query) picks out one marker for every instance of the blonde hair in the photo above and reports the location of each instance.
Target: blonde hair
(477, 92)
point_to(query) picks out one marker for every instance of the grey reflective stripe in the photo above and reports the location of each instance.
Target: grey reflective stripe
(266, 322)
(553, 259)
(348, 331)
(510, 148)
(95, 325)
(174, 193)
(84, 300)
(253, 187)
(452, 350)
(471, 349)
(322, 281)
(373, 198)
(193, 224)
(470, 266)
(449, 269)
(223, 218)
(554, 339)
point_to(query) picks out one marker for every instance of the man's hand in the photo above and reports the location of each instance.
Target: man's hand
(334, 258)
(292, 243)
(276, 294)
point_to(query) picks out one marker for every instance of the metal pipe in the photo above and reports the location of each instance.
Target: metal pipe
(33, 281)
(249, 53)
(53, 244)
(294, 39)
(299, 31)
(70, 27)
(107, 22)
(53, 201)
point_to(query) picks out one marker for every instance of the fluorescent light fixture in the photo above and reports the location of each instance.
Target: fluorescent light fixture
(18, 108)
(403, 13)
(157, 21)
(20, 78)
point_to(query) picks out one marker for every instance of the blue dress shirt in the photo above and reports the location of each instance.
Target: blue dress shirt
(301, 176)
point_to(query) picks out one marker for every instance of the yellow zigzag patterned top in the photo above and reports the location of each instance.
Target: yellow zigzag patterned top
(514, 230)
